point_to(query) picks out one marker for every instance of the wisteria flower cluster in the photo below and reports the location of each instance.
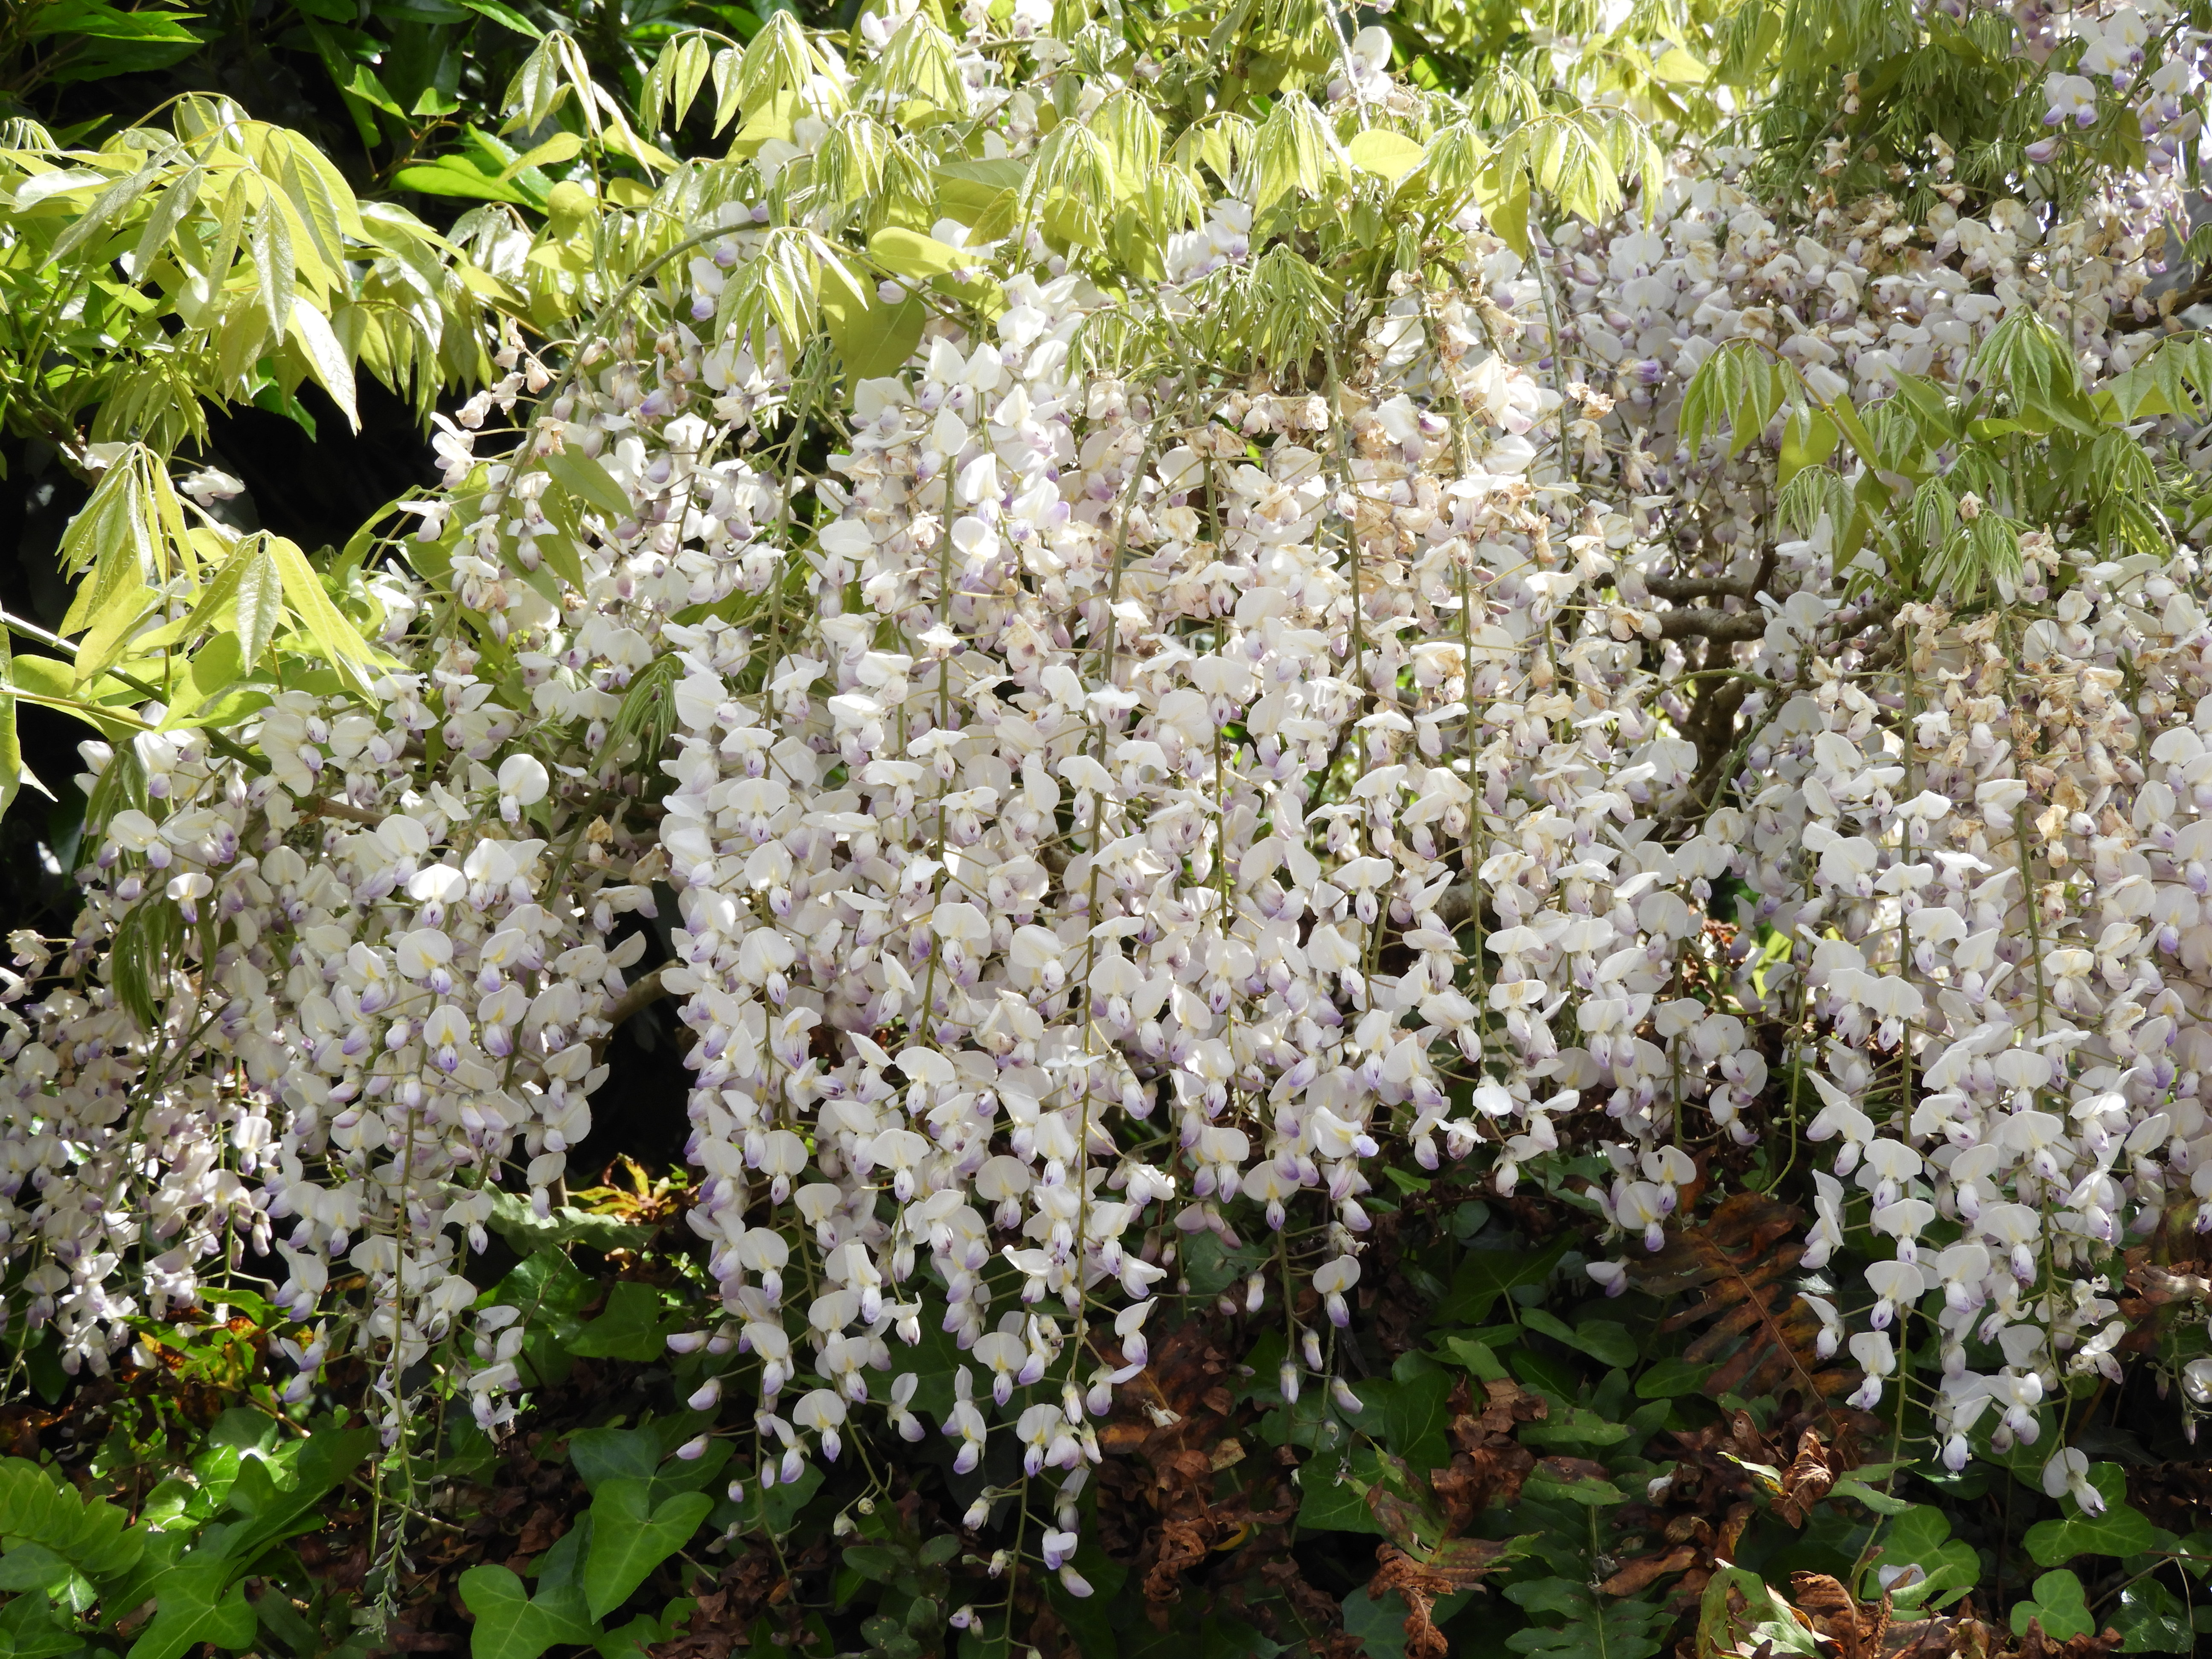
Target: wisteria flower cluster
(1123, 797)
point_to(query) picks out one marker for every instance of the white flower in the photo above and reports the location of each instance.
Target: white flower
(2070, 98)
(522, 779)
(2067, 1474)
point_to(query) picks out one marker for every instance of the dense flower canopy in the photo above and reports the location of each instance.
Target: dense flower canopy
(1141, 714)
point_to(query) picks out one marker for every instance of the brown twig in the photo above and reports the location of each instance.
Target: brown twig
(340, 809)
(1677, 589)
(2196, 293)
(1723, 627)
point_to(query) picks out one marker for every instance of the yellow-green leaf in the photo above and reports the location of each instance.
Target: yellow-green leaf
(561, 557)
(561, 146)
(873, 337)
(133, 526)
(326, 358)
(970, 191)
(110, 628)
(456, 175)
(623, 140)
(258, 606)
(11, 748)
(1847, 417)
(589, 483)
(1508, 213)
(773, 119)
(1677, 66)
(217, 666)
(52, 684)
(1385, 154)
(1809, 439)
(913, 254)
(340, 642)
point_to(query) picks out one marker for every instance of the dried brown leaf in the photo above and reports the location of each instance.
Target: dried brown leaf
(1758, 1335)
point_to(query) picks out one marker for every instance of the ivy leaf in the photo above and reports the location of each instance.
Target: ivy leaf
(1414, 1417)
(1575, 1480)
(38, 1629)
(2058, 1605)
(1090, 1618)
(772, 1509)
(1333, 1497)
(631, 1328)
(513, 1219)
(325, 1461)
(602, 1455)
(509, 1624)
(1478, 1357)
(196, 1602)
(630, 1538)
(2152, 1619)
(678, 1474)
(2120, 1531)
(1486, 1275)
(635, 1639)
(549, 1290)
(1670, 1379)
(33, 1567)
(1920, 1536)
(1873, 1497)
(875, 1562)
(1576, 1426)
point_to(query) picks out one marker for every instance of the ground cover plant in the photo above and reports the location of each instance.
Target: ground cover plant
(1243, 825)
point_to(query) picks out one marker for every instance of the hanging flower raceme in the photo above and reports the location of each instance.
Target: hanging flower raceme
(1115, 805)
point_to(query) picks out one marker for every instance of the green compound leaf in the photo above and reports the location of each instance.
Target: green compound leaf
(1595, 1627)
(1603, 1339)
(92, 1537)
(589, 483)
